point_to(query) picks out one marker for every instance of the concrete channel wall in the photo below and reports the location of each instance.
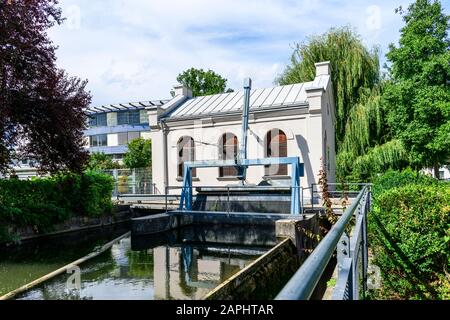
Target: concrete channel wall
(263, 278)
(121, 214)
(166, 221)
(293, 238)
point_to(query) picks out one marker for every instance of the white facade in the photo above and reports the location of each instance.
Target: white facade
(444, 172)
(303, 112)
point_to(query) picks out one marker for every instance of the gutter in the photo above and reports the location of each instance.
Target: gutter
(219, 115)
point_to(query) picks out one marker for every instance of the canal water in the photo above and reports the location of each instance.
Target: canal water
(182, 264)
(34, 259)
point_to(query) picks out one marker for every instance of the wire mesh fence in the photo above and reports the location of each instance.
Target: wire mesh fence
(132, 181)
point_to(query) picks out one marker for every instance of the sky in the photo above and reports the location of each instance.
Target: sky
(133, 50)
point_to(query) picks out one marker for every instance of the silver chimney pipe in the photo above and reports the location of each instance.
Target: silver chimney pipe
(245, 112)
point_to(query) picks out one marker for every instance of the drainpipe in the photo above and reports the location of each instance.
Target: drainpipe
(165, 130)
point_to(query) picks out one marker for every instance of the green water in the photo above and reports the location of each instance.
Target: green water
(30, 261)
(163, 266)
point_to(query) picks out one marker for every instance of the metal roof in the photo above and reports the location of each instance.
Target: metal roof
(125, 106)
(289, 95)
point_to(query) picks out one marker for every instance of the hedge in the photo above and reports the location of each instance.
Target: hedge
(409, 231)
(44, 202)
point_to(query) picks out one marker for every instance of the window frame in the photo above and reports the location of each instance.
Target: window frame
(224, 149)
(180, 155)
(281, 152)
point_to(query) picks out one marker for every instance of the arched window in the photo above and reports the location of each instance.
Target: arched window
(186, 152)
(276, 147)
(228, 150)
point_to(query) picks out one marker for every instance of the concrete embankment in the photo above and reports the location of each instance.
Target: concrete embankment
(263, 278)
(293, 238)
(175, 219)
(120, 214)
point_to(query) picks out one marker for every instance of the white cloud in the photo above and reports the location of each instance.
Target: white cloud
(133, 50)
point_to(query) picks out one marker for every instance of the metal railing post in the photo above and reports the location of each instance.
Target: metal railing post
(305, 280)
(116, 182)
(350, 284)
(165, 196)
(228, 199)
(302, 197)
(365, 253)
(191, 196)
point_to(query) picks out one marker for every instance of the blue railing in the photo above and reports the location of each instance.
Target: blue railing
(352, 257)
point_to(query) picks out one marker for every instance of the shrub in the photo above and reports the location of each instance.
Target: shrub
(392, 179)
(44, 202)
(409, 231)
(96, 190)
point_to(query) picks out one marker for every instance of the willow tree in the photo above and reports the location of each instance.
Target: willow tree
(368, 146)
(364, 141)
(354, 68)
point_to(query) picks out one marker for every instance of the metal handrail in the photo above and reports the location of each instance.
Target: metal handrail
(227, 189)
(302, 285)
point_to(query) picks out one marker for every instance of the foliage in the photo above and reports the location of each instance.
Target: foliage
(390, 155)
(101, 161)
(139, 154)
(365, 123)
(392, 179)
(418, 93)
(96, 190)
(353, 68)
(41, 108)
(43, 202)
(390, 124)
(368, 147)
(203, 82)
(325, 193)
(364, 141)
(409, 230)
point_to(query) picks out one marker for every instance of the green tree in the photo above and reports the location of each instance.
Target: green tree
(418, 93)
(139, 154)
(203, 82)
(353, 68)
(41, 107)
(101, 161)
(363, 139)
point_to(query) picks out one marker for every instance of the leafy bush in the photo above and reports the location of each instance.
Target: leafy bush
(96, 190)
(44, 202)
(392, 179)
(410, 235)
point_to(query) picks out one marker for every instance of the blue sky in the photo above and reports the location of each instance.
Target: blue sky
(132, 50)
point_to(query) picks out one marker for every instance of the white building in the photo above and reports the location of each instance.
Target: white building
(444, 172)
(293, 120)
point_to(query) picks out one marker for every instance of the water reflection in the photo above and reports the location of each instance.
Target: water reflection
(33, 259)
(177, 270)
(189, 272)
